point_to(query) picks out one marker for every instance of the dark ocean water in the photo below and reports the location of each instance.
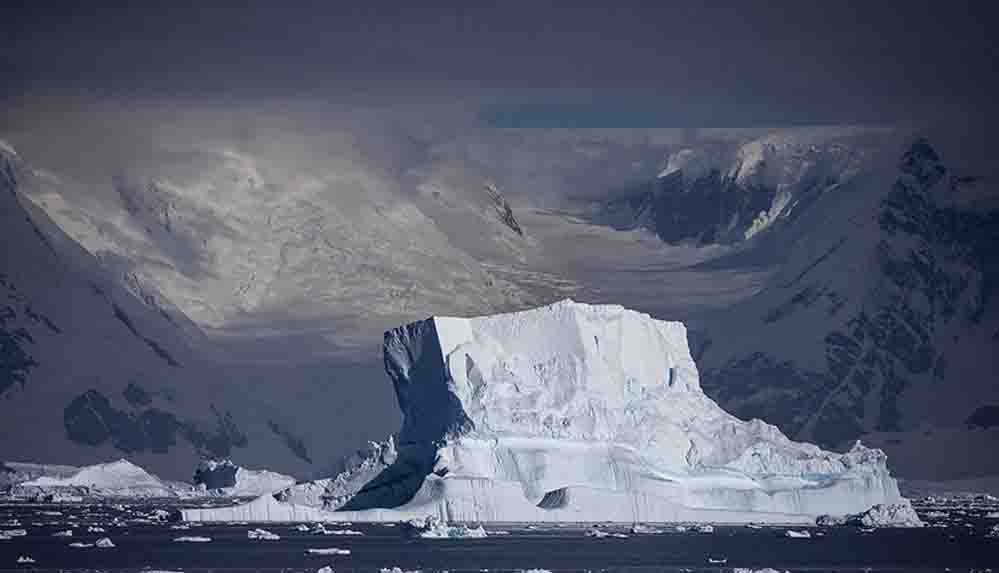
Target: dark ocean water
(958, 542)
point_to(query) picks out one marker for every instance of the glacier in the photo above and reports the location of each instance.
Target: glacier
(571, 413)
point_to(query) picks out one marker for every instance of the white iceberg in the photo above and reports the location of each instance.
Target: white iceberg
(328, 551)
(225, 478)
(25, 559)
(435, 528)
(104, 543)
(115, 479)
(263, 535)
(193, 539)
(571, 413)
(899, 514)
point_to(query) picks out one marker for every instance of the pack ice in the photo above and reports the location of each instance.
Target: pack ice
(571, 412)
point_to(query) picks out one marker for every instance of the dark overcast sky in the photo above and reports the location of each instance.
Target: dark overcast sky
(614, 62)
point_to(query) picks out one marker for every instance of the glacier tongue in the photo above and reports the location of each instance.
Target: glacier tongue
(573, 412)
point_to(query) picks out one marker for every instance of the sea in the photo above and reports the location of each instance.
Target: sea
(961, 535)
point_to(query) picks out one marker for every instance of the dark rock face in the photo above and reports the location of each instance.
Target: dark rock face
(91, 419)
(294, 443)
(984, 417)
(216, 474)
(937, 267)
(503, 210)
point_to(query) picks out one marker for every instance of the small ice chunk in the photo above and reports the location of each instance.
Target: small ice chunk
(25, 559)
(193, 539)
(717, 560)
(14, 532)
(80, 545)
(95, 529)
(343, 532)
(67, 533)
(598, 534)
(638, 528)
(104, 543)
(705, 528)
(263, 535)
(326, 569)
(302, 527)
(328, 551)
(802, 534)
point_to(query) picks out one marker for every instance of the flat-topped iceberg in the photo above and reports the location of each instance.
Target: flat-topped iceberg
(571, 412)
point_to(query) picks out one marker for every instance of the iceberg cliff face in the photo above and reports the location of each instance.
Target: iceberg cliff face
(573, 412)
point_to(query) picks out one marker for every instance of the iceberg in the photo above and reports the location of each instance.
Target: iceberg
(571, 413)
(225, 478)
(115, 479)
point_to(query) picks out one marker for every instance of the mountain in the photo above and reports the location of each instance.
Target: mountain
(728, 191)
(572, 412)
(212, 303)
(88, 370)
(882, 324)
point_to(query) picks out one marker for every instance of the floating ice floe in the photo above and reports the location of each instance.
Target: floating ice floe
(707, 528)
(14, 532)
(328, 551)
(326, 569)
(718, 560)
(192, 539)
(104, 543)
(640, 529)
(25, 559)
(343, 532)
(764, 570)
(994, 532)
(600, 534)
(263, 535)
(80, 545)
(66, 533)
(399, 570)
(95, 529)
(798, 534)
(992, 515)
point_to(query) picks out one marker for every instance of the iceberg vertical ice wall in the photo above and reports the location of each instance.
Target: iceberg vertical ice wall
(572, 412)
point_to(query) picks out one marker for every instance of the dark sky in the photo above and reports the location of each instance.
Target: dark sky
(526, 63)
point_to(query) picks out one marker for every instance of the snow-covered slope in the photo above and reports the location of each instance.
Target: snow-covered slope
(62, 322)
(728, 191)
(572, 412)
(149, 314)
(882, 323)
